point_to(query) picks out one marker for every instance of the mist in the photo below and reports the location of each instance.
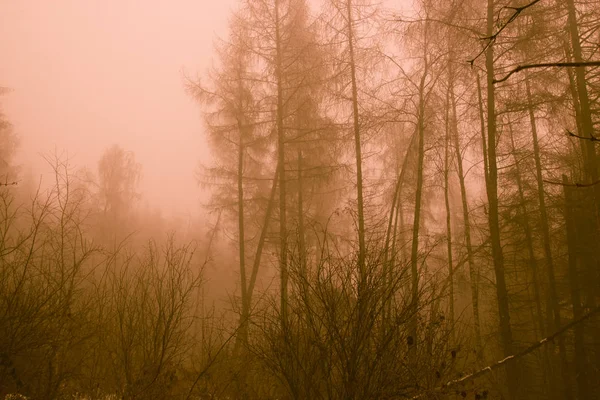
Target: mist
(86, 75)
(299, 199)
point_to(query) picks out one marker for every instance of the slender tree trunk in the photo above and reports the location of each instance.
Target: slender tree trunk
(263, 234)
(395, 211)
(473, 274)
(494, 223)
(357, 143)
(245, 315)
(281, 164)
(486, 170)
(448, 213)
(353, 367)
(241, 234)
(529, 241)
(414, 254)
(388, 265)
(301, 236)
(547, 247)
(576, 106)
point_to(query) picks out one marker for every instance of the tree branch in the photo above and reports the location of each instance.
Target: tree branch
(577, 184)
(546, 65)
(492, 38)
(591, 138)
(15, 183)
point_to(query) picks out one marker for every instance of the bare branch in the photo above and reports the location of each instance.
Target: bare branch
(492, 38)
(576, 184)
(547, 65)
(591, 138)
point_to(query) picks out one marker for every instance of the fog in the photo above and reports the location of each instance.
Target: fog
(88, 74)
(299, 199)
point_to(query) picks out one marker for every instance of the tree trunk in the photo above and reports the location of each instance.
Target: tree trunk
(414, 254)
(395, 211)
(357, 143)
(241, 235)
(473, 273)
(529, 240)
(486, 170)
(581, 369)
(245, 315)
(492, 194)
(590, 158)
(301, 236)
(554, 301)
(281, 165)
(448, 213)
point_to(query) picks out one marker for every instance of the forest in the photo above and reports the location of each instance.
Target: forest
(404, 203)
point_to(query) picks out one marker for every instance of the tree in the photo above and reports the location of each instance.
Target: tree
(9, 143)
(118, 178)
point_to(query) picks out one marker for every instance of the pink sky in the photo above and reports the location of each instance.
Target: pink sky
(90, 73)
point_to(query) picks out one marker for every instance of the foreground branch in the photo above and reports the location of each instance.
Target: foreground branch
(508, 359)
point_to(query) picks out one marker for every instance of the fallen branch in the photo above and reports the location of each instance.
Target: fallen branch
(513, 357)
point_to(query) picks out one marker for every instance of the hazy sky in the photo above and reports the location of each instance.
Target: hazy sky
(90, 73)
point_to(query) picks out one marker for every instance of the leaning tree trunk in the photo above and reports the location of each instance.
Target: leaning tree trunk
(245, 315)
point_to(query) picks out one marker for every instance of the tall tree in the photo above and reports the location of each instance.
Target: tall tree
(118, 179)
(492, 195)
